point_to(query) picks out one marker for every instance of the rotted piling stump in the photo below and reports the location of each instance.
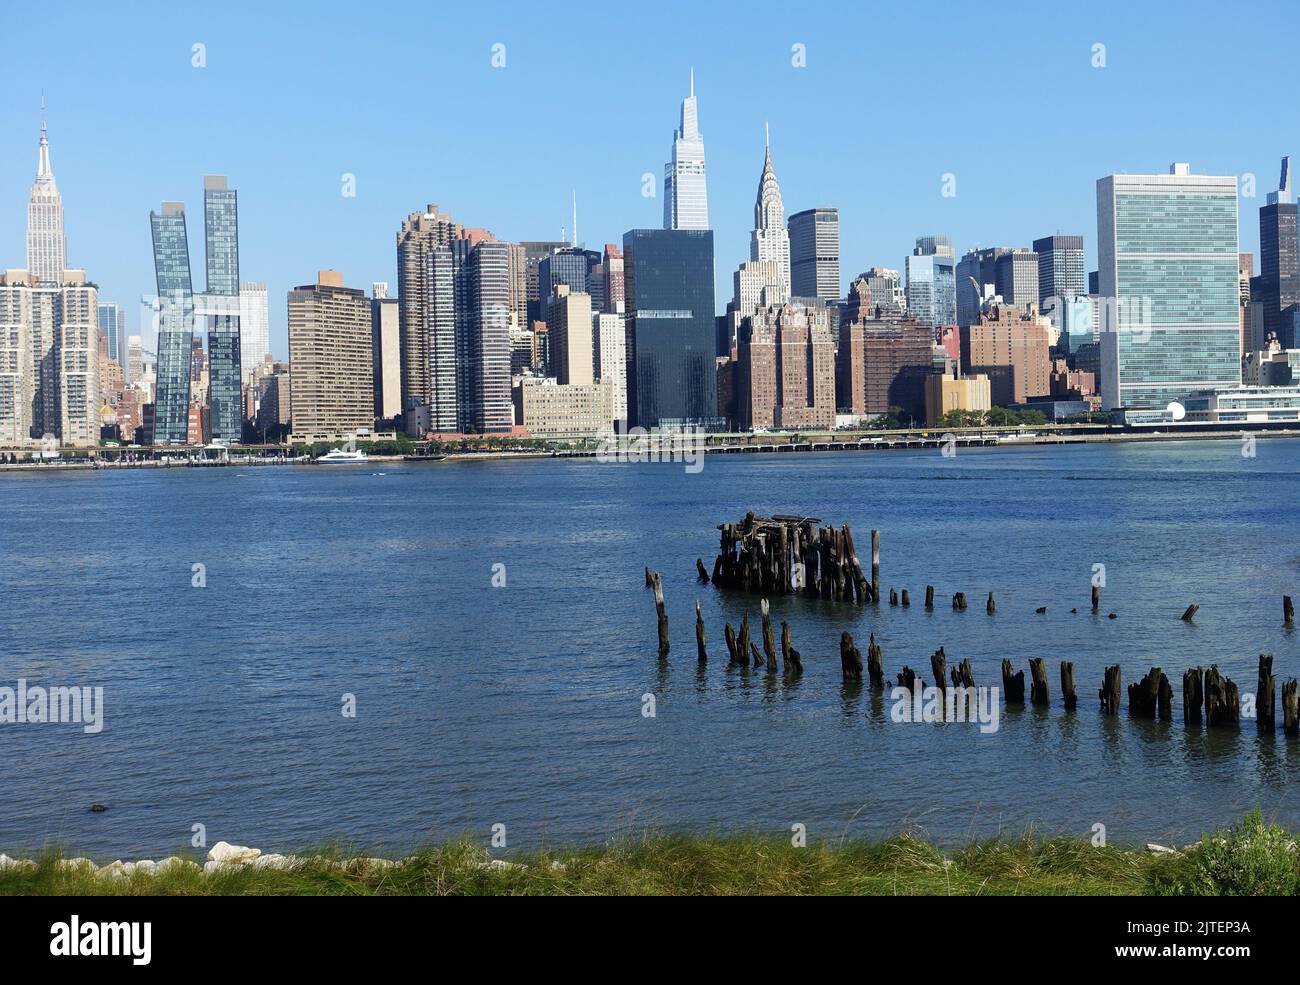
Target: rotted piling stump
(962, 676)
(1096, 599)
(701, 572)
(1038, 681)
(1265, 704)
(769, 638)
(1288, 611)
(907, 678)
(906, 601)
(1150, 696)
(1222, 699)
(729, 635)
(1110, 690)
(939, 666)
(850, 659)
(929, 596)
(701, 651)
(791, 662)
(1013, 684)
(1069, 697)
(1190, 613)
(1291, 708)
(875, 663)
(990, 606)
(661, 613)
(959, 601)
(1193, 695)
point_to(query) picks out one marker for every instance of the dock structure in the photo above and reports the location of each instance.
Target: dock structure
(788, 554)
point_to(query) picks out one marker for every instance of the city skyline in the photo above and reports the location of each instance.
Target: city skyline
(288, 176)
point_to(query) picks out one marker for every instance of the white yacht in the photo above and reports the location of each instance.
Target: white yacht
(340, 456)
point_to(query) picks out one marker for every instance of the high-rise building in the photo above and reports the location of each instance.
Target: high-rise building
(1009, 345)
(568, 323)
(1016, 276)
(1279, 257)
(613, 264)
(1061, 272)
(882, 363)
(569, 265)
(770, 241)
(815, 254)
(482, 303)
(254, 326)
(887, 290)
(386, 352)
(330, 358)
(671, 374)
(171, 260)
(785, 370)
(611, 357)
(112, 325)
(1167, 254)
(428, 345)
(222, 305)
(535, 251)
(932, 283)
(686, 199)
(976, 274)
(47, 248)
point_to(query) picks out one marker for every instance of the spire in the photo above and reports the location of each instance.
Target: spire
(575, 217)
(43, 172)
(692, 86)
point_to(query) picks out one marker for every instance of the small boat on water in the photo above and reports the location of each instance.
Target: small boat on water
(341, 457)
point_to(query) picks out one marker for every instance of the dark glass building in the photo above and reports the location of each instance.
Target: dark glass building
(671, 373)
(221, 305)
(171, 261)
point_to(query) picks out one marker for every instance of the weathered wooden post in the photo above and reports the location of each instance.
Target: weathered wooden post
(769, 639)
(929, 596)
(700, 571)
(1291, 708)
(1288, 611)
(791, 662)
(906, 601)
(1109, 692)
(742, 641)
(1149, 695)
(699, 635)
(939, 666)
(1190, 613)
(758, 657)
(962, 676)
(1193, 695)
(1038, 683)
(1013, 684)
(990, 606)
(1096, 598)
(959, 601)
(850, 659)
(875, 564)
(649, 579)
(875, 663)
(729, 635)
(893, 596)
(907, 679)
(1222, 699)
(662, 614)
(1265, 716)
(1068, 696)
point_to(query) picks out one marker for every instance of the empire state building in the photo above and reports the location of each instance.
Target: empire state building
(47, 249)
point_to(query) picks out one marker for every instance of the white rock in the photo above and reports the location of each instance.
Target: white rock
(175, 860)
(271, 862)
(76, 863)
(223, 851)
(1155, 849)
(115, 870)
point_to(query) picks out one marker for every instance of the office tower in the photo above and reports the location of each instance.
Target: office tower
(428, 360)
(686, 199)
(330, 357)
(535, 251)
(785, 370)
(482, 297)
(1011, 346)
(932, 282)
(171, 260)
(1167, 253)
(756, 283)
(1060, 268)
(815, 254)
(47, 248)
(1279, 257)
(222, 305)
(386, 352)
(254, 326)
(770, 241)
(134, 359)
(611, 357)
(112, 324)
(569, 265)
(882, 363)
(886, 287)
(671, 374)
(518, 289)
(1094, 282)
(568, 322)
(976, 275)
(1016, 277)
(613, 263)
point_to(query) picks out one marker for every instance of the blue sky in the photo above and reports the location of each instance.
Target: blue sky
(404, 96)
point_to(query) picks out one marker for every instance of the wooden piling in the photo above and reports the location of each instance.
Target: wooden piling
(929, 596)
(1013, 684)
(1265, 714)
(1288, 611)
(1222, 699)
(1150, 696)
(700, 571)
(875, 563)
(742, 641)
(906, 601)
(959, 601)
(791, 662)
(1190, 613)
(850, 659)
(1096, 599)
(962, 676)
(1193, 695)
(907, 678)
(702, 652)
(939, 666)
(661, 613)
(875, 663)
(1069, 698)
(769, 639)
(1038, 683)
(729, 635)
(1291, 708)
(893, 596)
(990, 606)
(1110, 690)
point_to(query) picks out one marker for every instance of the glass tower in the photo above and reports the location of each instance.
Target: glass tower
(171, 260)
(1167, 252)
(671, 373)
(221, 305)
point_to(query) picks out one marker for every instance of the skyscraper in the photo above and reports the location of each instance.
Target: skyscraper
(671, 374)
(112, 325)
(47, 248)
(568, 323)
(932, 282)
(785, 373)
(1278, 284)
(1016, 277)
(331, 394)
(815, 254)
(254, 326)
(222, 305)
(482, 318)
(428, 356)
(976, 270)
(171, 260)
(1060, 268)
(386, 352)
(686, 199)
(1167, 255)
(770, 241)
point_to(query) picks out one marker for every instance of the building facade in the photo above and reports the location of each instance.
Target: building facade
(254, 326)
(386, 352)
(815, 254)
(332, 396)
(1011, 346)
(428, 343)
(1061, 272)
(882, 363)
(686, 197)
(222, 307)
(171, 259)
(47, 247)
(785, 370)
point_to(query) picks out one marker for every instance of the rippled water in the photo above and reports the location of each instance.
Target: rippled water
(522, 705)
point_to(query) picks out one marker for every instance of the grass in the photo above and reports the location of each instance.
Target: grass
(1252, 858)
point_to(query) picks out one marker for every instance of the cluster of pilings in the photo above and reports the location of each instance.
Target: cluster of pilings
(783, 555)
